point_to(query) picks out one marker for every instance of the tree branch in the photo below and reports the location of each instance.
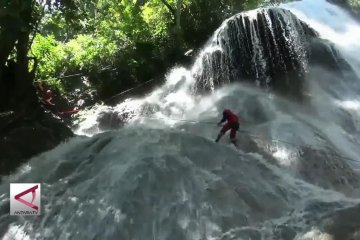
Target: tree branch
(170, 8)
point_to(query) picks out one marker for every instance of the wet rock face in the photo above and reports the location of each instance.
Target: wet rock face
(111, 120)
(328, 170)
(271, 48)
(24, 136)
(25, 129)
(331, 222)
(324, 54)
(343, 224)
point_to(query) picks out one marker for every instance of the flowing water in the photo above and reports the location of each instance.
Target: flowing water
(159, 174)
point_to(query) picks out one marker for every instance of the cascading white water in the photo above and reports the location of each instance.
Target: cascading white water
(161, 176)
(340, 28)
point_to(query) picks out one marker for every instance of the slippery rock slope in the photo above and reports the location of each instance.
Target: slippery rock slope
(271, 47)
(25, 135)
(158, 184)
(25, 128)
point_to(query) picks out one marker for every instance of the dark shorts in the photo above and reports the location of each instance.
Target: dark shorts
(234, 126)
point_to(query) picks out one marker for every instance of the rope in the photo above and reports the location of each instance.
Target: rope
(248, 133)
(112, 97)
(83, 73)
(108, 68)
(194, 121)
(130, 89)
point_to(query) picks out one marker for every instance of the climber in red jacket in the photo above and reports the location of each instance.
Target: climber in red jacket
(232, 123)
(47, 97)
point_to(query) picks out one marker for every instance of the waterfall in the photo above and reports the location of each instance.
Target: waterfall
(148, 168)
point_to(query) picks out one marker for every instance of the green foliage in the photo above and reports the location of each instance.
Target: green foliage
(19, 21)
(56, 84)
(51, 56)
(49, 53)
(355, 5)
(155, 15)
(139, 40)
(82, 51)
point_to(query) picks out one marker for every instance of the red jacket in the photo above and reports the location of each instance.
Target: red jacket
(229, 116)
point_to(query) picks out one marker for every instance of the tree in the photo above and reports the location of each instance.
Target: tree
(18, 24)
(138, 39)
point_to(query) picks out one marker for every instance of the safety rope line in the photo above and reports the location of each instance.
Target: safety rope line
(183, 120)
(248, 133)
(112, 97)
(108, 68)
(130, 89)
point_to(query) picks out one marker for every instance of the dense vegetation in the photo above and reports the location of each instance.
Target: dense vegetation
(119, 43)
(113, 44)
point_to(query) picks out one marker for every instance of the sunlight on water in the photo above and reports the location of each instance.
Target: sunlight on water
(353, 105)
(316, 234)
(284, 156)
(16, 233)
(252, 14)
(334, 23)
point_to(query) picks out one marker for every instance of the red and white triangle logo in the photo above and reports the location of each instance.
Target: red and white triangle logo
(29, 204)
